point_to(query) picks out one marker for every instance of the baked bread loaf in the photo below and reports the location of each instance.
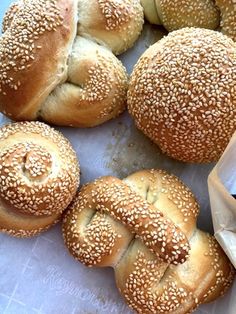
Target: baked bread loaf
(48, 72)
(228, 17)
(39, 176)
(134, 226)
(176, 14)
(182, 94)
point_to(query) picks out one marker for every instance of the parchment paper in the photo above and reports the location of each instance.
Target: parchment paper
(38, 275)
(222, 185)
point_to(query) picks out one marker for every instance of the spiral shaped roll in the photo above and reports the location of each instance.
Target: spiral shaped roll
(39, 175)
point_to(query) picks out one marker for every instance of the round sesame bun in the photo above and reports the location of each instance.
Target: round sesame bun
(39, 176)
(116, 24)
(176, 14)
(182, 94)
(44, 72)
(228, 17)
(120, 224)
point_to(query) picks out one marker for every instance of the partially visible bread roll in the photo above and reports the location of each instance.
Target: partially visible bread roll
(176, 14)
(118, 224)
(182, 94)
(49, 73)
(150, 11)
(39, 176)
(94, 92)
(228, 17)
(113, 23)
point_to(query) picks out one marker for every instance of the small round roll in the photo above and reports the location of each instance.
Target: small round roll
(228, 17)
(182, 94)
(39, 175)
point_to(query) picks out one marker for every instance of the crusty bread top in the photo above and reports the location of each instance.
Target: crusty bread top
(115, 198)
(102, 228)
(182, 94)
(39, 171)
(34, 48)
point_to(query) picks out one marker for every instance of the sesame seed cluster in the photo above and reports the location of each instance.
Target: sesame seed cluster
(34, 29)
(94, 225)
(177, 14)
(182, 94)
(39, 174)
(228, 17)
(117, 25)
(112, 197)
(200, 13)
(116, 12)
(17, 45)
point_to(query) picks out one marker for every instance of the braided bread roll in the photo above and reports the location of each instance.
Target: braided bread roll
(57, 62)
(39, 176)
(137, 226)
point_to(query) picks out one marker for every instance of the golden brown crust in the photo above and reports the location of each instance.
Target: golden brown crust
(111, 196)
(228, 17)
(22, 225)
(36, 60)
(27, 74)
(39, 176)
(182, 94)
(176, 14)
(148, 284)
(95, 90)
(117, 24)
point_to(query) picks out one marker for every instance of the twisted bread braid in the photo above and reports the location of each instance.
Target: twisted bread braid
(48, 71)
(39, 176)
(119, 224)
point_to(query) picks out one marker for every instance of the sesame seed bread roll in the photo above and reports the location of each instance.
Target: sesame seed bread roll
(113, 23)
(44, 73)
(182, 94)
(39, 176)
(228, 17)
(111, 197)
(95, 90)
(96, 231)
(37, 38)
(176, 14)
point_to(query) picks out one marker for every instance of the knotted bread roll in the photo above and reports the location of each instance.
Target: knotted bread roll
(49, 72)
(138, 227)
(39, 176)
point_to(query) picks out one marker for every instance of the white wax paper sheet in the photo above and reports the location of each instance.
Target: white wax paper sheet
(38, 276)
(222, 185)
